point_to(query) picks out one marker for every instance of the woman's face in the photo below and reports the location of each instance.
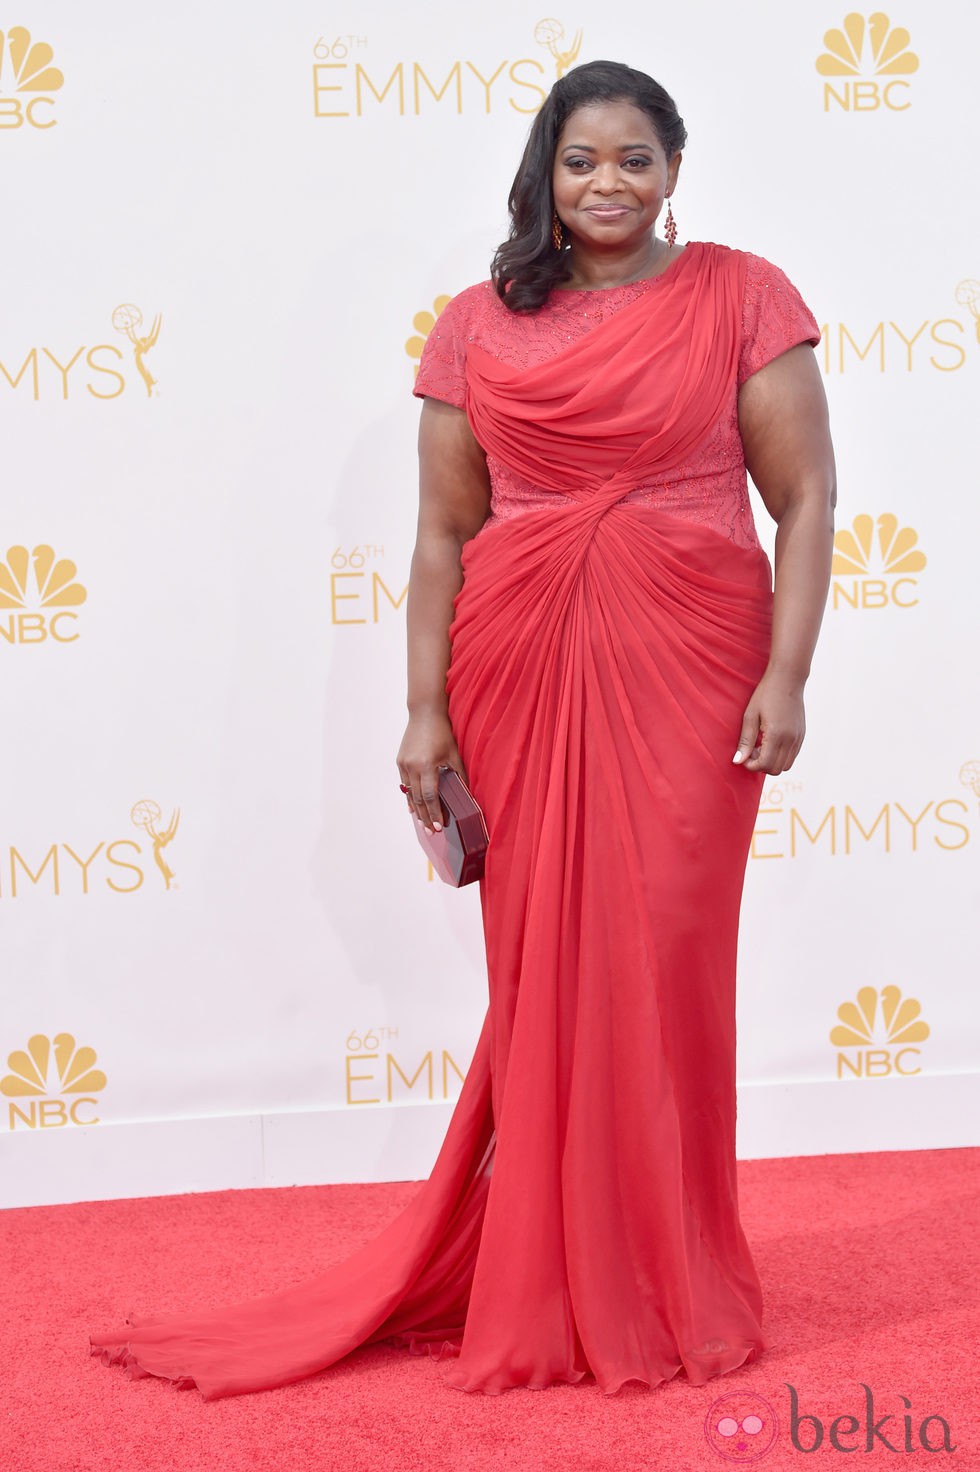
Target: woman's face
(610, 175)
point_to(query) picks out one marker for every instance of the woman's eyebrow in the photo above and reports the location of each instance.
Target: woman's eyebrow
(623, 147)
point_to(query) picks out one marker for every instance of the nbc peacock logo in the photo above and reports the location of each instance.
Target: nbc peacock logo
(423, 322)
(38, 593)
(874, 562)
(55, 1083)
(877, 1031)
(869, 60)
(27, 73)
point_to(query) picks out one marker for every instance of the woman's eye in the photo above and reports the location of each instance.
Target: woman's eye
(640, 163)
(573, 163)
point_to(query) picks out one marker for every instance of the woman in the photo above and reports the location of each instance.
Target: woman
(594, 643)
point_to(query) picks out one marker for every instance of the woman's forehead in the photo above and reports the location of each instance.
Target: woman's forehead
(610, 119)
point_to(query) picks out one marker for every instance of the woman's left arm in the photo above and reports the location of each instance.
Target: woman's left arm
(783, 421)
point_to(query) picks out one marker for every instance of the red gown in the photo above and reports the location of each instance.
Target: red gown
(582, 1215)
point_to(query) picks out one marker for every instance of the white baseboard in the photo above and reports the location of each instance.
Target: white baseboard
(845, 1116)
(113, 1160)
(163, 1157)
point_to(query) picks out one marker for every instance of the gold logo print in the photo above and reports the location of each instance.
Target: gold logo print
(29, 1071)
(30, 63)
(146, 814)
(968, 295)
(867, 48)
(900, 1020)
(423, 322)
(854, 548)
(970, 777)
(53, 581)
(128, 320)
(551, 33)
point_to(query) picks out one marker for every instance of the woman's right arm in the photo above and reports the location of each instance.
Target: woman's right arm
(454, 502)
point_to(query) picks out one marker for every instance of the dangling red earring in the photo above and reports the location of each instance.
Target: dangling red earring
(670, 226)
(556, 235)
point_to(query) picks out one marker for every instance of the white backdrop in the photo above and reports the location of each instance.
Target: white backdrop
(224, 962)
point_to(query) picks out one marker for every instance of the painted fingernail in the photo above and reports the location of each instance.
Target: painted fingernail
(738, 757)
(437, 827)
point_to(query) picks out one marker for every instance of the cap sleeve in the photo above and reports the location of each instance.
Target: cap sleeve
(774, 317)
(442, 367)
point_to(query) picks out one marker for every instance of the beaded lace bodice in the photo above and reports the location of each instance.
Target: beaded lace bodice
(711, 488)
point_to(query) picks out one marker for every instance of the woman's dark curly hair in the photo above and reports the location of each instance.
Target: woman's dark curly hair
(527, 266)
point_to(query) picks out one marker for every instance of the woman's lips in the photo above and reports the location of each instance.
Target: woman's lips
(607, 211)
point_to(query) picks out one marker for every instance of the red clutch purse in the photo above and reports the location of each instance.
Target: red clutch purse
(458, 852)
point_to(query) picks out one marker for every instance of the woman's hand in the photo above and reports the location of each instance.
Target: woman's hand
(427, 745)
(773, 727)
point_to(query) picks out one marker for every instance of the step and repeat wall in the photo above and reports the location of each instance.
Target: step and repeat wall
(226, 235)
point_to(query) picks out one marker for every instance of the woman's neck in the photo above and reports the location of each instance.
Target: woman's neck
(599, 270)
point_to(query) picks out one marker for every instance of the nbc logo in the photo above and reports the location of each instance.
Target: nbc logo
(878, 1028)
(870, 576)
(25, 69)
(423, 322)
(861, 54)
(33, 1080)
(39, 590)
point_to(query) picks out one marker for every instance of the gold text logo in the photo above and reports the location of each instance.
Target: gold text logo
(789, 828)
(44, 374)
(934, 344)
(877, 1030)
(37, 592)
(33, 1079)
(115, 864)
(26, 70)
(423, 322)
(375, 1076)
(873, 564)
(869, 61)
(345, 86)
(359, 594)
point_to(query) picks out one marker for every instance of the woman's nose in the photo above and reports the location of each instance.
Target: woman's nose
(605, 179)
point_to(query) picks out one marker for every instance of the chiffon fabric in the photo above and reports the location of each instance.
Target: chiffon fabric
(581, 1219)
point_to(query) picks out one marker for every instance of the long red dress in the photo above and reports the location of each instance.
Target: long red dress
(582, 1215)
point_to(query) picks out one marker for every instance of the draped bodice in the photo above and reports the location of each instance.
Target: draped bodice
(632, 398)
(477, 339)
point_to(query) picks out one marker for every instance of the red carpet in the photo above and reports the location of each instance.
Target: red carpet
(869, 1265)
